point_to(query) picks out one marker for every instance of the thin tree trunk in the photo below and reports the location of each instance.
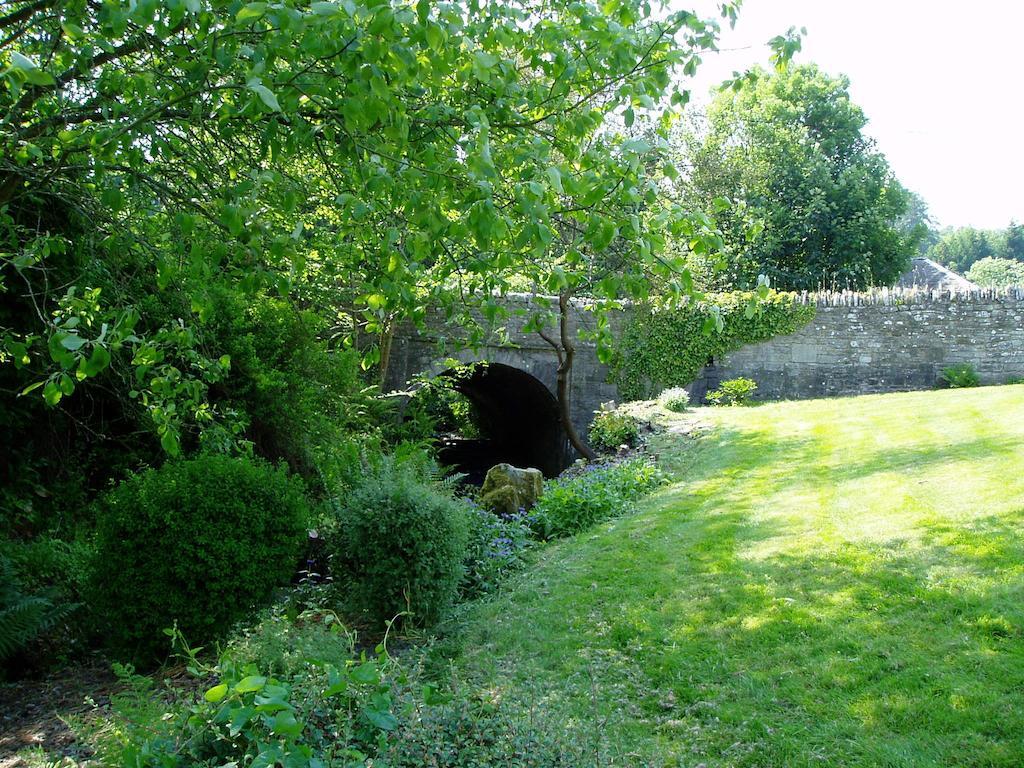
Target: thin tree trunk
(385, 350)
(565, 348)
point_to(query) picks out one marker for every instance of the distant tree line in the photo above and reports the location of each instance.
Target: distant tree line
(993, 258)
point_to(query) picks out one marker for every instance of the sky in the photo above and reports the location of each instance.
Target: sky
(941, 83)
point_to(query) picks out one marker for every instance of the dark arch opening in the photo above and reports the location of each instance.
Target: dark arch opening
(518, 420)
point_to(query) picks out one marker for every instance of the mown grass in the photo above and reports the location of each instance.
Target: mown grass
(833, 582)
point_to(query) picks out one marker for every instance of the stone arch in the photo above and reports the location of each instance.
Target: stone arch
(519, 416)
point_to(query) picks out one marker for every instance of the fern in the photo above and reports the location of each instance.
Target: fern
(23, 617)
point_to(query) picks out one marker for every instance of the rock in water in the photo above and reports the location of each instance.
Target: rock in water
(508, 489)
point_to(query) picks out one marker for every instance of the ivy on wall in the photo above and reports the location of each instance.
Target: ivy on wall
(663, 346)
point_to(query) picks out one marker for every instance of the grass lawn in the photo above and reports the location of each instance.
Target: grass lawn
(825, 583)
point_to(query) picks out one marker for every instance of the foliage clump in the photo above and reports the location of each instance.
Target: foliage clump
(401, 541)
(960, 375)
(497, 545)
(198, 543)
(997, 273)
(667, 346)
(675, 399)
(611, 429)
(595, 492)
(733, 392)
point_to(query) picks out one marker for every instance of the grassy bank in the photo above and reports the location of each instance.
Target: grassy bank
(834, 582)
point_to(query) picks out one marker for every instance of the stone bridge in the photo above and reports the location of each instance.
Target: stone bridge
(882, 341)
(514, 392)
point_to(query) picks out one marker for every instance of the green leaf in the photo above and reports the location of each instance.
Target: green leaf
(96, 362)
(366, 674)
(251, 12)
(216, 693)
(72, 30)
(483, 63)
(52, 393)
(39, 77)
(67, 384)
(432, 697)
(435, 37)
(385, 721)
(169, 442)
(266, 95)
(423, 11)
(32, 387)
(23, 63)
(285, 724)
(250, 684)
(325, 9)
(240, 719)
(72, 342)
(555, 177)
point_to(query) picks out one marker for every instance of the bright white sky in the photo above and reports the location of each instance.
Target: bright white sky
(941, 82)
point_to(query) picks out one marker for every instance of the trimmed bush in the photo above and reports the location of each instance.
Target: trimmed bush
(733, 392)
(611, 429)
(197, 542)
(402, 542)
(675, 399)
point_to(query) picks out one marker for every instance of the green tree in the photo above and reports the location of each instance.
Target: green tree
(815, 204)
(993, 272)
(378, 156)
(960, 248)
(918, 223)
(1014, 241)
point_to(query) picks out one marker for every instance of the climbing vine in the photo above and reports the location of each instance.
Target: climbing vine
(665, 346)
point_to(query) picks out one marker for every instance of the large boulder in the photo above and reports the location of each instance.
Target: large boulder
(508, 489)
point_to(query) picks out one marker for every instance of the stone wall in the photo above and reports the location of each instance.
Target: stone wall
(885, 341)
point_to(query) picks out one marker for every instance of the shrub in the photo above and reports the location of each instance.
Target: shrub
(599, 491)
(196, 542)
(674, 399)
(733, 392)
(402, 542)
(322, 711)
(993, 272)
(496, 546)
(611, 429)
(960, 375)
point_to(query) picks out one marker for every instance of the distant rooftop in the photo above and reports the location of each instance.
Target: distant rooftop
(930, 275)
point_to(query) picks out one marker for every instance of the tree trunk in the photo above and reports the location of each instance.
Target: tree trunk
(385, 351)
(565, 348)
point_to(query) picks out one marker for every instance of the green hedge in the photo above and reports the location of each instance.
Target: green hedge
(668, 346)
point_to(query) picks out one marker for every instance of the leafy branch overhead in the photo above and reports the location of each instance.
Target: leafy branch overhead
(377, 157)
